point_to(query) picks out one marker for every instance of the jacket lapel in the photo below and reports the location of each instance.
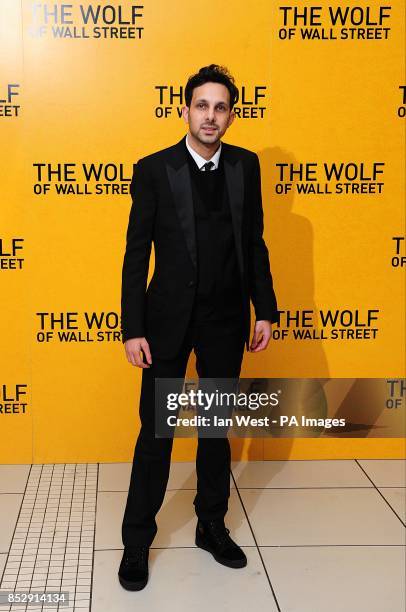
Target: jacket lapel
(181, 186)
(177, 168)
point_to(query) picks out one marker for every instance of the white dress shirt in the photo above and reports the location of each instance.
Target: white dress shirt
(200, 161)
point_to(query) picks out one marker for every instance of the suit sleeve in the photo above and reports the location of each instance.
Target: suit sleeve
(137, 253)
(260, 278)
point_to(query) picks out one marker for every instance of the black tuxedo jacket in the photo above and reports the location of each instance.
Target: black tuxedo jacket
(162, 213)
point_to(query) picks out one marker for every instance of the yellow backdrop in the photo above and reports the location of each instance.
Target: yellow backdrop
(86, 88)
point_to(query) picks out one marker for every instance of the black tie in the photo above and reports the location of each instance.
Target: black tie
(207, 165)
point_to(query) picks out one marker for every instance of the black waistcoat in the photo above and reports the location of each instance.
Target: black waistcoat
(218, 293)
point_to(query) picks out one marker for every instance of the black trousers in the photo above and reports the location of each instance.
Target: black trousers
(219, 349)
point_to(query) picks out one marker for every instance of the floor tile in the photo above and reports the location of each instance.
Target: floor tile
(321, 516)
(330, 540)
(13, 478)
(3, 558)
(10, 504)
(52, 544)
(397, 499)
(176, 520)
(116, 476)
(337, 578)
(183, 579)
(295, 474)
(385, 472)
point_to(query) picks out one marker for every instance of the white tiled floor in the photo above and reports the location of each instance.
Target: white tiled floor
(319, 536)
(48, 534)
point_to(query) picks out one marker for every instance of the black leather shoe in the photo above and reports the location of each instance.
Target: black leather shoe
(213, 537)
(133, 572)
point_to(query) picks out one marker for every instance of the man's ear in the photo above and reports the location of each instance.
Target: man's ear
(231, 118)
(185, 113)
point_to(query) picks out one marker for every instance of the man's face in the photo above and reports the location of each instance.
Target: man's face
(209, 114)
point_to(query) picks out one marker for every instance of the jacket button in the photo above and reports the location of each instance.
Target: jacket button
(191, 283)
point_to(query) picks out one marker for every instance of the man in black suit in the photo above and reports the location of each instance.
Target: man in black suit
(199, 202)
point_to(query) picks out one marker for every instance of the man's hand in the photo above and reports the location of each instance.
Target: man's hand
(133, 348)
(261, 337)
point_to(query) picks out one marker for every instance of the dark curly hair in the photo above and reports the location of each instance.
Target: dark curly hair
(211, 74)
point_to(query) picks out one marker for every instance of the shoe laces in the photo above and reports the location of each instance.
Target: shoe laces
(220, 533)
(136, 556)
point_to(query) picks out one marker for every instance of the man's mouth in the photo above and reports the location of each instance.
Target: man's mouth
(209, 129)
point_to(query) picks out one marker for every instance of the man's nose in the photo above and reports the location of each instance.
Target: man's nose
(210, 114)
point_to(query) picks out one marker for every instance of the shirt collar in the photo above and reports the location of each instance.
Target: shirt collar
(200, 161)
